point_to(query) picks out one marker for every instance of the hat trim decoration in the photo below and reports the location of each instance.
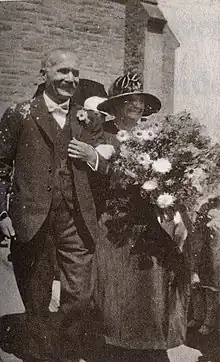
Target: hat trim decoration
(125, 87)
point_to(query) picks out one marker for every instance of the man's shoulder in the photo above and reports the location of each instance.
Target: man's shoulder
(21, 109)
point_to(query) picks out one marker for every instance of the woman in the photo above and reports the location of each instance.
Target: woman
(136, 289)
(206, 276)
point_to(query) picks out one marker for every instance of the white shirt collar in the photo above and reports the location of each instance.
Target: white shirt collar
(52, 106)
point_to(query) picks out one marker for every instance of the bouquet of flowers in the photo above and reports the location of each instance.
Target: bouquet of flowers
(170, 160)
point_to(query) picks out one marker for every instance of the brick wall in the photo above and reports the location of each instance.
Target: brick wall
(94, 28)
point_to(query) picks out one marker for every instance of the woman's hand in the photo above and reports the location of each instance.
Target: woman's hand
(106, 151)
(82, 151)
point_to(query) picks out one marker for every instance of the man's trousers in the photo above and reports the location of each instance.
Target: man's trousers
(117, 354)
(63, 234)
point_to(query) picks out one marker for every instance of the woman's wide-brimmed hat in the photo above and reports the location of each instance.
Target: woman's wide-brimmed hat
(126, 87)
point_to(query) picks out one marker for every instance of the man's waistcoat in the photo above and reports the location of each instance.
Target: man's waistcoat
(63, 185)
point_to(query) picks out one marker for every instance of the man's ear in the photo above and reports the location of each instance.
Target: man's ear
(43, 74)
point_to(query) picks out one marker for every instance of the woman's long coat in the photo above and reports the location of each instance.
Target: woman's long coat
(143, 304)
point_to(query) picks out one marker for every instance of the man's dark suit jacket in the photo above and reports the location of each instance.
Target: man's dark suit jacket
(26, 143)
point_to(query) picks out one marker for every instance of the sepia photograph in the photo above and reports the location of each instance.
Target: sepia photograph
(110, 181)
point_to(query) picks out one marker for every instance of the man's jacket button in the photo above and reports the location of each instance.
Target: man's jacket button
(50, 169)
(49, 188)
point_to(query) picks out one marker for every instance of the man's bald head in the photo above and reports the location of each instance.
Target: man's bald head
(60, 71)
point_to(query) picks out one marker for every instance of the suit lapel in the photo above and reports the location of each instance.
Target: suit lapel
(86, 202)
(82, 186)
(43, 117)
(76, 127)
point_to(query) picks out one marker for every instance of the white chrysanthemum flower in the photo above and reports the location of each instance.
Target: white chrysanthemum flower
(122, 136)
(162, 165)
(124, 152)
(138, 133)
(148, 134)
(144, 159)
(150, 185)
(165, 200)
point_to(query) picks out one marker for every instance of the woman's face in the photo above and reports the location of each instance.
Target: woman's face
(133, 109)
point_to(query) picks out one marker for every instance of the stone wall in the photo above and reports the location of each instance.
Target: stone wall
(94, 28)
(110, 36)
(159, 66)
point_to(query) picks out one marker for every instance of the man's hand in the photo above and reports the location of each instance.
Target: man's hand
(82, 151)
(6, 227)
(106, 151)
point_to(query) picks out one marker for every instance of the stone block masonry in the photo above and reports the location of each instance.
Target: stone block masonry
(93, 28)
(110, 36)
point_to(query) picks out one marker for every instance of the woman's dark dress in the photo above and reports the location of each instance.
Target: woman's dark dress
(143, 306)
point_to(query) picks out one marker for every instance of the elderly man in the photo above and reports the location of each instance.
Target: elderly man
(51, 205)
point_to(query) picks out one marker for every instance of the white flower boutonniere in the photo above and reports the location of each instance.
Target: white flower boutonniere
(83, 117)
